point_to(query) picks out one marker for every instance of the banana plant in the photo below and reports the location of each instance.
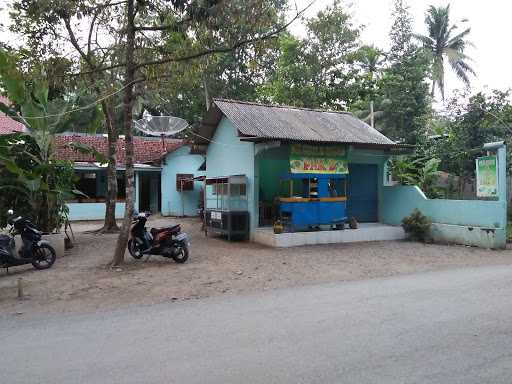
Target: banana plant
(422, 172)
(30, 175)
(43, 118)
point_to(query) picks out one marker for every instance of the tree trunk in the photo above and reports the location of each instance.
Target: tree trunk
(206, 93)
(433, 89)
(122, 239)
(372, 116)
(111, 198)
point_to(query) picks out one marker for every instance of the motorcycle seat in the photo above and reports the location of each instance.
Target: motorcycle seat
(5, 240)
(172, 229)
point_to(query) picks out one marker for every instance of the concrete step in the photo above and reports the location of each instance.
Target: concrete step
(365, 232)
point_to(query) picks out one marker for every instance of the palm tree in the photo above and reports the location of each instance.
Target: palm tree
(442, 42)
(371, 60)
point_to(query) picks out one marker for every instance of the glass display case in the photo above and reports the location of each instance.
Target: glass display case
(226, 206)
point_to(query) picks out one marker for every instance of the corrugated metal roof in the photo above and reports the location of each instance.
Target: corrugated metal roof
(291, 123)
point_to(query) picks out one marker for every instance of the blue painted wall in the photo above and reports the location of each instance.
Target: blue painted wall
(454, 220)
(227, 155)
(176, 203)
(92, 211)
(401, 200)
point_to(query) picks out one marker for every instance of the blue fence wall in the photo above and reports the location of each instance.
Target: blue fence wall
(92, 211)
(473, 222)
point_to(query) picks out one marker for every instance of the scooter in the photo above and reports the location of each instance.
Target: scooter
(34, 250)
(167, 242)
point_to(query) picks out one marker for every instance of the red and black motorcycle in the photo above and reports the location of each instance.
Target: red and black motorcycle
(167, 242)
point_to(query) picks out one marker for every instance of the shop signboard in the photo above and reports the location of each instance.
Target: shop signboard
(487, 177)
(324, 159)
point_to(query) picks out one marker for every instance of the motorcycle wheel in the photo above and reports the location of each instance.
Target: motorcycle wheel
(134, 249)
(181, 254)
(44, 256)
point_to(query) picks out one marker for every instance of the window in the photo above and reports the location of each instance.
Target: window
(184, 182)
(388, 175)
(87, 184)
(337, 187)
(238, 189)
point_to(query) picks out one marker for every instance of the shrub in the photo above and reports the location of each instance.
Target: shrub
(416, 226)
(420, 171)
(31, 185)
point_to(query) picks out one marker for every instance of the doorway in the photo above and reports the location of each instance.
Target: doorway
(150, 192)
(363, 192)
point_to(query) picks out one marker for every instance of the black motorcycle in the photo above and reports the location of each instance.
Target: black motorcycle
(33, 251)
(167, 242)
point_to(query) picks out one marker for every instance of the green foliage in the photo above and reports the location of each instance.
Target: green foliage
(417, 226)
(401, 32)
(397, 86)
(31, 106)
(232, 75)
(445, 42)
(318, 71)
(422, 172)
(469, 123)
(31, 185)
(32, 180)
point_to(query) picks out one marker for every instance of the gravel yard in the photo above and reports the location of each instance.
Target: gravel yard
(82, 280)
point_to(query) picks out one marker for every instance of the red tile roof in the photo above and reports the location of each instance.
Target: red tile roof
(147, 149)
(8, 125)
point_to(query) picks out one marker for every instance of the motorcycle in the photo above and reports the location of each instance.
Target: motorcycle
(167, 242)
(33, 251)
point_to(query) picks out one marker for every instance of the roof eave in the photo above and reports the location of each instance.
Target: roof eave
(256, 139)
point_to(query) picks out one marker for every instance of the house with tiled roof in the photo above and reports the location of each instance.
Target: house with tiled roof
(161, 165)
(7, 124)
(164, 173)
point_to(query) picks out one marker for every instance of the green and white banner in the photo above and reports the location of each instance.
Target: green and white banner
(487, 176)
(326, 159)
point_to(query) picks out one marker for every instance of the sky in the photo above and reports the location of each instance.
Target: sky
(489, 20)
(490, 25)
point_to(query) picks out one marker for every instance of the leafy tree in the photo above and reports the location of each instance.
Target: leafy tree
(404, 98)
(401, 32)
(318, 71)
(470, 124)
(443, 42)
(400, 93)
(54, 28)
(371, 61)
(234, 75)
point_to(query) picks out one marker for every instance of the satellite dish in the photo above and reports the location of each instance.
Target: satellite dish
(161, 125)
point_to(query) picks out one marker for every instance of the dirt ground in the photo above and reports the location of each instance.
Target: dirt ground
(82, 280)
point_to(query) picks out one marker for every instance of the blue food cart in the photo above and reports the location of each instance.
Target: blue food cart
(309, 200)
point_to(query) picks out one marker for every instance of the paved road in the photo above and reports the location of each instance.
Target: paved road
(443, 327)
